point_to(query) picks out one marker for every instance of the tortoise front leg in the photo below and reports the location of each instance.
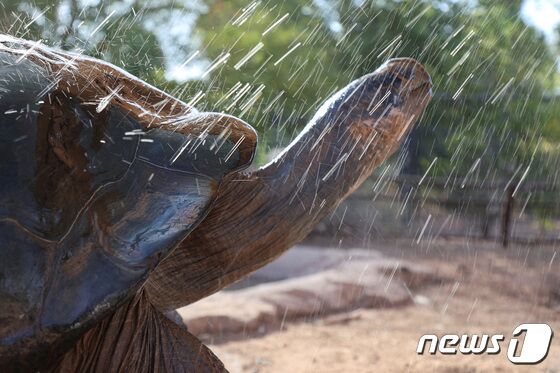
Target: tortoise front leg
(138, 338)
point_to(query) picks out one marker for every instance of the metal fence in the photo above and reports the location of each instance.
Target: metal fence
(423, 208)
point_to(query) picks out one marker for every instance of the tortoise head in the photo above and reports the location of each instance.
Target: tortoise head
(382, 105)
(402, 88)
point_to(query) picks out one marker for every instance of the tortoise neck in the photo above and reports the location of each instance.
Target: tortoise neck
(330, 158)
(257, 216)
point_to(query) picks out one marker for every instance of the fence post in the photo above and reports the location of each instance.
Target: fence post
(507, 213)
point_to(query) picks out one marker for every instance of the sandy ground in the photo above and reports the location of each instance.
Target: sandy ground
(489, 292)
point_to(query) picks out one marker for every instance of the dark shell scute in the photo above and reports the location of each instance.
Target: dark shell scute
(90, 201)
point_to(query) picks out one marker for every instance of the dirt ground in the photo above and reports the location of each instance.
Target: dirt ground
(488, 291)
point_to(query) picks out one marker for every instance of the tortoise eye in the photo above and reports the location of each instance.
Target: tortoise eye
(391, 80)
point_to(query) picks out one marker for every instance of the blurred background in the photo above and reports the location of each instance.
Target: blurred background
(458, 232)
(491, 131)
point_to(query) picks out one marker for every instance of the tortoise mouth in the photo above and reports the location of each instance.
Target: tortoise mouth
(421, 83)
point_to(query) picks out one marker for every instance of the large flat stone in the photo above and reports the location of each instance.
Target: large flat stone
(307, 282)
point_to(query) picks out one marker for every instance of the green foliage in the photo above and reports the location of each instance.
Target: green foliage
(493, 75)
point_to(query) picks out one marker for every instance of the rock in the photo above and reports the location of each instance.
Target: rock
(307, 282)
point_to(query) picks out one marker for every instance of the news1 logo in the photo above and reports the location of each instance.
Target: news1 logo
(532, 350)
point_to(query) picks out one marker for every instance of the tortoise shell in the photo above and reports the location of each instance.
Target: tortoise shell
(101, 175)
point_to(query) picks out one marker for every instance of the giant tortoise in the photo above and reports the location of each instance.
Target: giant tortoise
(120, 203)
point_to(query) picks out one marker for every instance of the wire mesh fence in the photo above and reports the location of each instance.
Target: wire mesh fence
(423, 208)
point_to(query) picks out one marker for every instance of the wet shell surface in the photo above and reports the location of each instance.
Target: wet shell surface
(97, 184)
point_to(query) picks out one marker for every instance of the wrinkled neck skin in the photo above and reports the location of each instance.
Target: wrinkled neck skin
(257, 216)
